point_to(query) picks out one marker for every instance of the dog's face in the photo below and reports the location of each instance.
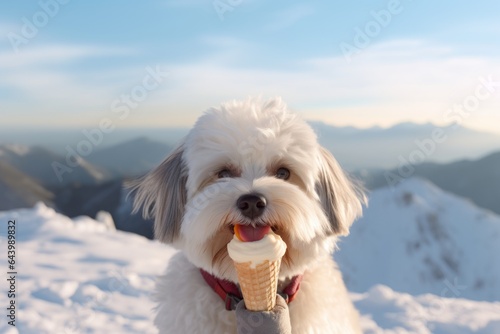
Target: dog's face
(249, 163)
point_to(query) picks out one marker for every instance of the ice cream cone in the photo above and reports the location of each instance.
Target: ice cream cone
(257, 264)
(259, 284)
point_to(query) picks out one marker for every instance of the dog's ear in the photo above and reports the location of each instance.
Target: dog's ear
(162, 194)
(341, 198)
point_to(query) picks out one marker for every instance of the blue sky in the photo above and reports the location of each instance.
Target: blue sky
(413, 61)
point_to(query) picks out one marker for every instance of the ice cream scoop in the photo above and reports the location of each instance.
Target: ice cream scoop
(270, 247)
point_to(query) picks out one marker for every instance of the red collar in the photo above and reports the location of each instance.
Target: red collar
(231, 295)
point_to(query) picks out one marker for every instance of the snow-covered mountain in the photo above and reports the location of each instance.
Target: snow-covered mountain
(78, 276)
(419, 239)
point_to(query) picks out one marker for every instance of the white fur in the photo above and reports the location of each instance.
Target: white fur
(194, 210)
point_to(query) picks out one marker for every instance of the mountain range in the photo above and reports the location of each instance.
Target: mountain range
(355, 148)
(27, 172)
(386, 148)
(38, 163)
(128, 159)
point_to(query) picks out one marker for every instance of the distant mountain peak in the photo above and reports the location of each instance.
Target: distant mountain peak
(17, 149)
(412, 125)
(38, 163)
(130, 158)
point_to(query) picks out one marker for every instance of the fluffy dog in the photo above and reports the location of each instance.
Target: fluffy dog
(259, 149)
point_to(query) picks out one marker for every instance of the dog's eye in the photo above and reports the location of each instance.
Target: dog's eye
(283, 173)
(224, 173)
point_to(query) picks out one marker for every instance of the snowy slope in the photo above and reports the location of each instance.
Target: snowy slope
(76, 276)
(387, 312)
(418, 239)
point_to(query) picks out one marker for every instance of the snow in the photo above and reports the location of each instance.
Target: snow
(419, 239)
(77, 276)
(386, 311)
(82, 276)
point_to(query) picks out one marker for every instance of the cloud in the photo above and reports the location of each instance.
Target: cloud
(54, 54)
(39, 76)
(386, 83)
(227, 51)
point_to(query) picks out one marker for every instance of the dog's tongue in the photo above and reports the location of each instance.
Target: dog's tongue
(250, 233)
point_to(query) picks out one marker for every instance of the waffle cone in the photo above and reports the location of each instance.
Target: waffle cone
(259, 285)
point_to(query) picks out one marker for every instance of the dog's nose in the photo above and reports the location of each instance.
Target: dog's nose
(251, 205)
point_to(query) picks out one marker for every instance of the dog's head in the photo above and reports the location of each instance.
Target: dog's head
(249, 162)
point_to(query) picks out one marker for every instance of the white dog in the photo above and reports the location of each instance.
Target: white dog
(259, 153)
